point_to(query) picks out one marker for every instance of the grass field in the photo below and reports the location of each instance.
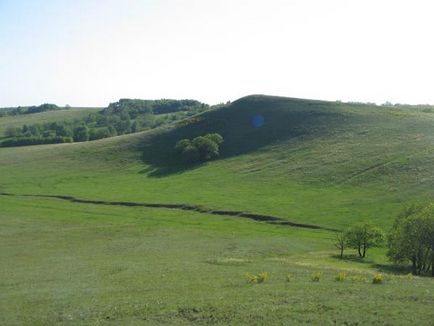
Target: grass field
(323, 163)
(74, 264)
(43, 117)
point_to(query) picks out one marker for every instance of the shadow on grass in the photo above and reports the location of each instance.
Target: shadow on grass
(392, 269)
(353, 259)
(385, 268)
(163, 171)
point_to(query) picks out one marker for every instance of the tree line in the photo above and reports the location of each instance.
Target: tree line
(122, 117)
(30, 109)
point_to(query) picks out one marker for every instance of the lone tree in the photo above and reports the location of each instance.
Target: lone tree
(412, 238)
(202, 148)
(363, 236)
(340, 242)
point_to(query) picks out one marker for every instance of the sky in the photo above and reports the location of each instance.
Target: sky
(93, 52)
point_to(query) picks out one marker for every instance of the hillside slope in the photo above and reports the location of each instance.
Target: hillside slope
(317, 162)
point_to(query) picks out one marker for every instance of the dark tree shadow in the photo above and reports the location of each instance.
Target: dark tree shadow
(385, 268)
(282, 118)
(392, 269)
(159, 172)
(353, 259)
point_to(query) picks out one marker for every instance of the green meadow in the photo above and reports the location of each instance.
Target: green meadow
(326, 164)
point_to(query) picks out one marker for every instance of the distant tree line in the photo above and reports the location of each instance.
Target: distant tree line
(136, 107)
(122, 117)
(29, 109)
(410, 241)
(25, 141)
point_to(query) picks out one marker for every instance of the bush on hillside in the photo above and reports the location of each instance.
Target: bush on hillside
(257, 279)
(342, 276)
(316, 277)
(378, 279)
(199, 149)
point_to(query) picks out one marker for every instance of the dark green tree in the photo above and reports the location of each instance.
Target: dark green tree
(412, 238)
(81, 133)
(202, 148)
(99, 133)
(216, 138)
(35, 130)
(363, 236)
(207, 148)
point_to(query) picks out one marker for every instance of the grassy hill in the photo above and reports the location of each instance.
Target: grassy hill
(354, 162)
(320, 163)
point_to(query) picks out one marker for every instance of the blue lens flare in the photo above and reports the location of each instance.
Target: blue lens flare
(258, 121)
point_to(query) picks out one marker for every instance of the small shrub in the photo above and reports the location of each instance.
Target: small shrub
(257, 279)
(251, 278)
(262, 277)
(315, 277)
(342, 276)
(378, 279)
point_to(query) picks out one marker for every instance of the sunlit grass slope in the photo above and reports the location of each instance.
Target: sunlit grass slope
(319, 162)
(43, 117)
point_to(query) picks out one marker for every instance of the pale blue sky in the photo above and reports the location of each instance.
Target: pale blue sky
(94, 52)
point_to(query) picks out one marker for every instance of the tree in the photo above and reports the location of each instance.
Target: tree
(182, 144)
(202, 148)
(207, 148)
(99, 133)
(187, 150)
(363, 236)
(412, 238)
(25, 130)
(35, 130)
(340, 242)
(217, 138)
(81, 133)
(62, 129)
